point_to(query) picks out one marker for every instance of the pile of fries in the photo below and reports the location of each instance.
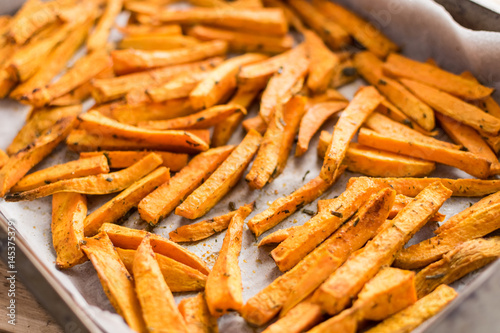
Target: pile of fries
(167, 101)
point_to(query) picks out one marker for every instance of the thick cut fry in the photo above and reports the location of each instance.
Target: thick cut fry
(351, 120)
(42, 120)
(203, 119)
(281, 208)
(224, 289)
(244, 42)
(463, 259)
(157, 42)
(157, 302)
(345, 73)
(124, 159)
(222, 180)
(98, 184)
(144, 29)
(19, 164)
(224, 129)
(94, 122)
(221, 80)
(179, 87)
(336, 292)
(129, 61)
(165, 198)
(99, 37)
(85, 69)
(256, 123)
(201, 230)
(478, 224)
(411, 317)
(277, 237)
(312, 121)
(370, 67)
(330, 95)
(127, 238)
(114, 209)
(323, 62)
(68, 212)
(468, 162)
(197, 316)
(134, 114)
(115, 279)
(363, 31)
(317, 229)
(402, 67)
(4, 158)
(179, 277)
(73, 169)
(333, 35)
(299, 319)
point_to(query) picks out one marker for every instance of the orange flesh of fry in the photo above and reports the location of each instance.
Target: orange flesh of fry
(256, 123)
(323, 62)
(201, 230)
(124, 159)
(197, 316)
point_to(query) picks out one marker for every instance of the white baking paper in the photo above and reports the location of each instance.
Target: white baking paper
(423, 29)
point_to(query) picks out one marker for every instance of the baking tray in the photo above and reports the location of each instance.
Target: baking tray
(474, 309)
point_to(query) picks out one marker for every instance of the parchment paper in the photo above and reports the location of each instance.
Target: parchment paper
(422, 28)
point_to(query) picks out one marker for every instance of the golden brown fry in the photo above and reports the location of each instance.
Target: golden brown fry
(277, 237)
(157, 302)
(68, 212)
(150, 30)
(197, 316)
(179, 87)
(225, 4)
(201, 230)
(4, 158)
(323, 62)
(124, 159)
(134, 114)
(224, 289)
(291, 16)
(116, 281)
(98, 39)
(256, 123)
(222, 180)
(157, 42)
(165, 198)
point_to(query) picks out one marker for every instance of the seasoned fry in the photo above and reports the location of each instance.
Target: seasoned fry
(130, 61)
(124, 159)
(336, 292)
(256, 123)
(165, 198)
(243, 42)
(74, 169)
(411, 317)
(150, 30)
(351, 120)
(201, 230)
(197, 316)
(345, 73)
(68, 212)
(157, 302)
(99, 37)
(468, 162)
(222, 180)
(299, 319)
(116, 281)
(225, 4)
(224, 289)
(402, 67)
(4, 158)
(221, 80)
(203, 119)
(134, 114)
(179, 277)
(127, 238)
(157, 42)
(323, 62)
(97, 184)
(277, 237)
(292, 18)
(312, 121)
(179, 87)
(19, 164)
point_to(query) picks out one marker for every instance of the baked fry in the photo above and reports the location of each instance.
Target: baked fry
(179, 87)
(124, 159)
(157, 42)
(197, 316)
(4, 158)
(301, 318)
(165, 198)
(150, 30)
(256, 123)
(323, 62)
(99, 37)
(134, 114)
(224, 4)
(201, 230)
(277, 237)
(222, 180)
(224, 289)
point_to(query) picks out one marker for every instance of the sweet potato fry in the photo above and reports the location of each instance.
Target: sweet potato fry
(127, 238)
(299, 319)
(224, 4)
(224, 129)
(97, 184)
(203, 119)
(220, 81)
(73, 169)
(197, 316)
(201, 230)
(117, 283)
(411, 317)
(312, 121)
(222, 180)
(224, 289)
(330, 95)
(333, 35)
(336, 292)
(85, 69)
(4, 158)
(31, 18)
(277, 237)
(179, 87)
(130, 61)
(256, 123)
(488, 105)
(165, 198)
(351, 120)
(468, 162)
(157, 42)
(155, 30)
(19, 164)
(124, 159)
(157, 302)
(323, 62)
(243, 42)
(370, 67)
(344, 73)
(68, 212)
(402, 67)
(41, 120)
(134, 114)
(99, 37)
(94, 122)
